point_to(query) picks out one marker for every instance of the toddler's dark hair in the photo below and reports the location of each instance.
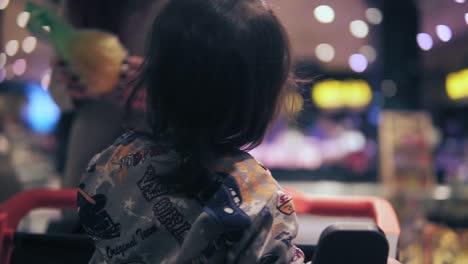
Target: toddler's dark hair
(215, 73)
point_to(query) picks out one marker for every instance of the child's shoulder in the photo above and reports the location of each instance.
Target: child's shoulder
(254, 181)
(129, 150)
(130, 137)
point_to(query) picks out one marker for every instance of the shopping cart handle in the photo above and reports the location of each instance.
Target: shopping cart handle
(21, 204)
(14, 209)
(380, 210)
(377, 209)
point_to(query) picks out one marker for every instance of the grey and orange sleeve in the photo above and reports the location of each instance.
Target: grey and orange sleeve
(270, 238)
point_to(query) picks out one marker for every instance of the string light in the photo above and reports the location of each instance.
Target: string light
(19, 67)
(374, 16)
(29, 44)
(4, 4)
(369, 52)
(359, 28)
(11, 47)
(22, 19)
(324, 14)
(444, 33)
(358, 62)
(425, 41)
(325, 52)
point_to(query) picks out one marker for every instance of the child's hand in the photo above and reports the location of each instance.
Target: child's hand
(393, 261)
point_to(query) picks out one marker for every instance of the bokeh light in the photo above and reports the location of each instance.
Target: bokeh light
(334, 94)
(325, 52)
(369, 52)
(466, 18)
(374, 16)
(353, 141)
(358, 62)
(327, 94)
(457, 85)
(45, 80)
(22, 19)
(29, 44)
(374, 113)
(324, 14)
(3, 60)
(11, 47)
(425, 41)
(19, 67)
(389, 88)
(358, 94)
(359, 28)
(40, 113)
(460, 1)
(444, 32)
(4, 4)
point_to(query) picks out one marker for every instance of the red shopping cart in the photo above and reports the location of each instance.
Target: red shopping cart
(359, 230)
(17, 247)
(346, 229)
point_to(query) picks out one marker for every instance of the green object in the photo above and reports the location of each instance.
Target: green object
(60, 31)
(94, 56)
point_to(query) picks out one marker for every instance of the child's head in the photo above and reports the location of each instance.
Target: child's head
(215, 72)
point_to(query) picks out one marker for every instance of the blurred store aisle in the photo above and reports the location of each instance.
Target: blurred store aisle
(9, 184)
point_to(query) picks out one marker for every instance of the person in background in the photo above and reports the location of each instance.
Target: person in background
(89, 124)
(92, 123)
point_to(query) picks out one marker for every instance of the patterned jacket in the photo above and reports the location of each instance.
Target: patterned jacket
(135, 219)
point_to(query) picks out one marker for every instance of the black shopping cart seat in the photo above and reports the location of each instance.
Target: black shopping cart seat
(346, 229)
(352, 243)
(51, 249)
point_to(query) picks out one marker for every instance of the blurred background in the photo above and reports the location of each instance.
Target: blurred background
(381, 109)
